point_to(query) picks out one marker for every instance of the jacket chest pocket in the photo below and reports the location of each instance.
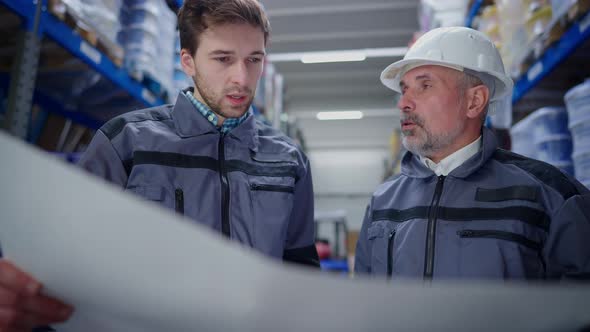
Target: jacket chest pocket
(381, 237)
(272, 191)
(272, 202)
(500, 254)
(172, 199)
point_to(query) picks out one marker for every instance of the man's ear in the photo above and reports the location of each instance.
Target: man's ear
(187, 62)
(477, 100)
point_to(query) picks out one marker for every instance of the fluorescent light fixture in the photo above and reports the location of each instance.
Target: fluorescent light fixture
(336, 56)
(340, 115)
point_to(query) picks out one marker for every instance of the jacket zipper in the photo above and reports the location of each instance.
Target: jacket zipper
(508, 236)
(225, 230)
(271, 187)
(179, 200)
(390, 253)
(431, 230)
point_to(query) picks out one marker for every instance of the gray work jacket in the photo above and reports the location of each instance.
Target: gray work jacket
(252, 184)
(498, 216)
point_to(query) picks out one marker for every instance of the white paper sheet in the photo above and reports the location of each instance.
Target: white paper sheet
(127, 265)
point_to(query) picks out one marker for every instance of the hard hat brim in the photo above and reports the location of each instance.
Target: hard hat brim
(391, 76)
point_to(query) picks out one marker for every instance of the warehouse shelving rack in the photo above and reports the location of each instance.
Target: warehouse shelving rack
(38, 23)
(551, 58)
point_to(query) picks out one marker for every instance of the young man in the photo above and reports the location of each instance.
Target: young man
(206, 156)
(462, 207)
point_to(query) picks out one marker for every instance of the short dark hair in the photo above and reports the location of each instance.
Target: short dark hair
(195, 16)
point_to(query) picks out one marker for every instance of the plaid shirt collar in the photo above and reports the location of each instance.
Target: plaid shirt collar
(228, 124)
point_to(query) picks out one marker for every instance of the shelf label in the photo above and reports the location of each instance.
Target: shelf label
(90, 52)
(148, 96)
(585, 23)
(535, 71)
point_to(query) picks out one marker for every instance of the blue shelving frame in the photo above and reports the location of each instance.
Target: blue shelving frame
(53, 28)
(473, 12)
(552, 57)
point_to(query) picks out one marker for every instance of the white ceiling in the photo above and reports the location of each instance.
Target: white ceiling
(324, 25)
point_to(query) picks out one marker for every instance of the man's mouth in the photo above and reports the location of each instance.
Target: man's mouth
(236, 99)
(407, 124)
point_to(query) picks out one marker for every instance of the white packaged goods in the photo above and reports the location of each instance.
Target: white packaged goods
(544, 135)
(553, 148)
(148, 39)
(522, 138)
(577, 101)
(102, 16)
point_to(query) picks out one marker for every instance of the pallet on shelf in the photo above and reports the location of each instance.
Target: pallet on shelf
(76, 21)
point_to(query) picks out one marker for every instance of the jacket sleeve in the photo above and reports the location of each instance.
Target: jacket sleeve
(567, 249)
(300, 244)
(101, 159)
(362, 256)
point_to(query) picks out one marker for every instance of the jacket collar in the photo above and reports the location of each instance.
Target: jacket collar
(412, 166)
(189, 122)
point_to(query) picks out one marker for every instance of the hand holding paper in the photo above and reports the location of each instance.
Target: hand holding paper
(22, 304)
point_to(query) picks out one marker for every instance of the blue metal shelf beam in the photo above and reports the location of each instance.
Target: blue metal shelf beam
(72, 42)
(473, 12)
(553, 56)
(55, 107)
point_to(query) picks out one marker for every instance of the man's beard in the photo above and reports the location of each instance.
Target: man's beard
(210, 98)
(425, 143)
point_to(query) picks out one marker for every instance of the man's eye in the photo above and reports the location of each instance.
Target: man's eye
(255, 60)
(222, 59)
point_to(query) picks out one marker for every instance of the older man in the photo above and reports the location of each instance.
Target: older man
(462, 207)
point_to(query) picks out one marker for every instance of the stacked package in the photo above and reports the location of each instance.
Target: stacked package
(544, 135)
(577, 101)
(148, 35)
(103, 16)
(99, 16)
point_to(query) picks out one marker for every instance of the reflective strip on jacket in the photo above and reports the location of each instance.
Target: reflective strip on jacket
(499, 216)
(252, 184)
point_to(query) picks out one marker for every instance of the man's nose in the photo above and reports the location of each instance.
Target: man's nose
(239, 74)
(406, 102)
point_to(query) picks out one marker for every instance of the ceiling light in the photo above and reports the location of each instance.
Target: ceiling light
(340, 115)
(333, 56)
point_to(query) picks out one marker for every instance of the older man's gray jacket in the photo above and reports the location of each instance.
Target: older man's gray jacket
(499, 215)
(253, 184)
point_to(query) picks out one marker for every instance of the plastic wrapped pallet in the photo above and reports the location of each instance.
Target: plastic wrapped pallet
(166, 41)
(544, 135)
(577, 101)
(148, 38)
(102, 16)
(522, 138)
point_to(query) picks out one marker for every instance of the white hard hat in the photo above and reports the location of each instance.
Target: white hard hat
(459, 48)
